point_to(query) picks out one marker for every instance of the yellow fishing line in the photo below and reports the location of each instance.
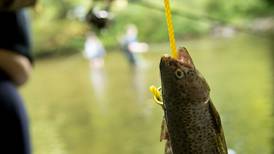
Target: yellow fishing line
(170, 29)
(156, 91)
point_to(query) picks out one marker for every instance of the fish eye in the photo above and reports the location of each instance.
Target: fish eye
(179, 74)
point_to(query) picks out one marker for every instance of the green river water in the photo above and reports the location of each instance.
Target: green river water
(75, 110)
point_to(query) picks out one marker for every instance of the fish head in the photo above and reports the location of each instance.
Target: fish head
(180, 78)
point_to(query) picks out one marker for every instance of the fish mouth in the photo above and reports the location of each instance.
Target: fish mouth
(183, 58)
(167, 61)
(166, 58)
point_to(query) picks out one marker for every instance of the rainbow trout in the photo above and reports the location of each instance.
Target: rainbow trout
(191, 123)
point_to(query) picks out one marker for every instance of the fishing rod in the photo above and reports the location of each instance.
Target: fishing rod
(180, 13)
(197, 17)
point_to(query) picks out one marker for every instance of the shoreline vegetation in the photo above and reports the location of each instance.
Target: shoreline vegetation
(68, 28)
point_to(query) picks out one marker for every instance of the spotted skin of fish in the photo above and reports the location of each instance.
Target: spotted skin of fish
(193, 123)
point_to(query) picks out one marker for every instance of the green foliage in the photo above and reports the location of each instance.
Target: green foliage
(55, 31)
(235, 8)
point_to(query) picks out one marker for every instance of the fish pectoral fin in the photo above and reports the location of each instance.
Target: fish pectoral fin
(218, 126)
(168, 148)
(164, 132)
(216, 117)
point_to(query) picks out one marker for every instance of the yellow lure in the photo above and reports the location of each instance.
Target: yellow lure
(156, 95)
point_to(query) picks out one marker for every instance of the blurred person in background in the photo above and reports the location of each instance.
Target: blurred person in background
(15, 69)
(130, 44)
(94, 51)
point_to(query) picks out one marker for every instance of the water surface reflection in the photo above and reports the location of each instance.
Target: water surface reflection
(67, 116)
